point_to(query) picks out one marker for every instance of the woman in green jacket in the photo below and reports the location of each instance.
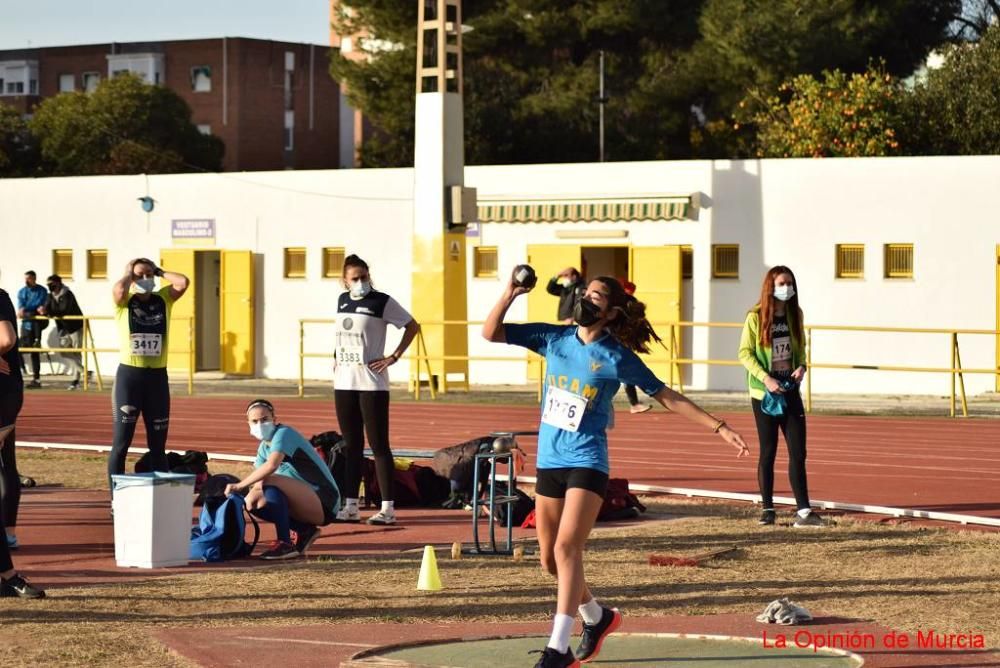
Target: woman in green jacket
(772, 349)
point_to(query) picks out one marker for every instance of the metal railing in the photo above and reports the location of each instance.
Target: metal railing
(90, 350)
(956, 370)
(671, 347)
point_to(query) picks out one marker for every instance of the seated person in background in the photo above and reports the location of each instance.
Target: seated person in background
(289, 486)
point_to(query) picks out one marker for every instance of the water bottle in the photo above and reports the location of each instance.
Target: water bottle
(524, 276)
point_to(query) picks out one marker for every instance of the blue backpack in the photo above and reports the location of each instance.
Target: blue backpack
(220, 534)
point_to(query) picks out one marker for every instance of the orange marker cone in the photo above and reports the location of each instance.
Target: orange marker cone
(429, 579)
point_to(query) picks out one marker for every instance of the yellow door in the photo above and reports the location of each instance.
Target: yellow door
(181, 343)
(547, 261)
(656, 272)
(236, 304)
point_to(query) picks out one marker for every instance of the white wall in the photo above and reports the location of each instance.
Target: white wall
(790, 212)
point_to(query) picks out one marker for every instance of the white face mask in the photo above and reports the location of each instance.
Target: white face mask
(263, 431)
(784, 292)
(144, 285)
(360, 288)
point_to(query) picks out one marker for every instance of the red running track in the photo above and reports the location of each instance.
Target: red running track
(936, 464)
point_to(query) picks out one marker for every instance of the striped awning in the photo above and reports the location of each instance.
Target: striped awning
(583, 209)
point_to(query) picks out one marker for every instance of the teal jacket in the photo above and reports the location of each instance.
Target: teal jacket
(757, 359)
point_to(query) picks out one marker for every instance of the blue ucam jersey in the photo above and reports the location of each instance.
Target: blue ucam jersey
(593, 371)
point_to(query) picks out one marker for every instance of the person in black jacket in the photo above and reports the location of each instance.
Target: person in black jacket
(567, 286)
(62, 302)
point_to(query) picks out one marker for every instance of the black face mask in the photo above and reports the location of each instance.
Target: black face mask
(586, 312)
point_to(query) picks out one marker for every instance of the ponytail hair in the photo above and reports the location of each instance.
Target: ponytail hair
(629, 325)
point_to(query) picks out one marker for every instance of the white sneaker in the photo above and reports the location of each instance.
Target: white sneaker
(640, 408)
(348, 515)
(382, 518)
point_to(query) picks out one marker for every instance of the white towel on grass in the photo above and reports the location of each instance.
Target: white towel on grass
(783, 611)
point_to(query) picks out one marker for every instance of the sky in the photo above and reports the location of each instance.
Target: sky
(35, 23)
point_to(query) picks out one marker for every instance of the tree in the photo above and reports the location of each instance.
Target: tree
(123, 127)
(975, 18)
(835, 115)
(18, 149)
(954, 112)
(676, 69)
(759, 44)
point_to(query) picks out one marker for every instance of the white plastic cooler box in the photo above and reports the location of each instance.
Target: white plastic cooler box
(152, 519)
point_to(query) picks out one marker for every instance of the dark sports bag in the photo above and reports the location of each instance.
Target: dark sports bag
(221, 531)
(457, 462)
(522, 508)
(215, 486)
(619, 503)
(414, 487)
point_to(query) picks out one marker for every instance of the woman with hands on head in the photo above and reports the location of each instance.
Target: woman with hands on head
(143, 299)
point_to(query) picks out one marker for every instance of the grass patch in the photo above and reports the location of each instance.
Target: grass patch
(904, 577)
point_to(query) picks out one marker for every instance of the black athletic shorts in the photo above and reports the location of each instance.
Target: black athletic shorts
(554, 482)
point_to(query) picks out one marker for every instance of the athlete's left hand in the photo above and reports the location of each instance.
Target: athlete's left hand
(799, 374)
(378, 366)
(735, 440)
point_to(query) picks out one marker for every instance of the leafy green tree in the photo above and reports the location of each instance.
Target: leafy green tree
(123, 127)
(954, 111)
(676, 70)
(834, 115)
(18, 149)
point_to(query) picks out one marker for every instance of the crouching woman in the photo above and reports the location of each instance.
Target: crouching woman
(289, 486)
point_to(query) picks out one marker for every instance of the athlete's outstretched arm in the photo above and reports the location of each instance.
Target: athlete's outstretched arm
(678, 403)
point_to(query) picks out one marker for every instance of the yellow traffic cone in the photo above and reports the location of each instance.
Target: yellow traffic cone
(429, 579)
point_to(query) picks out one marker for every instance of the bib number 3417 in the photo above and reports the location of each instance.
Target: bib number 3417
(146, 345)
(563, 409)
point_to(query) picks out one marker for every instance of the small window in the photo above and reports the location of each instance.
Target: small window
(333, 262)
(67, 83)
(899, 260)
(687, 262)
(289, 60)
(295, 263)
(485, 261)
(33, 87)
(725, 261)
(850, 260)
(62, 263)
(204, 129)
(97, 264)
(289, 130)
(201, 79)
(90, 81)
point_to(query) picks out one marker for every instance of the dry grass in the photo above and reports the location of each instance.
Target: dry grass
(80, 470)
(904, 577)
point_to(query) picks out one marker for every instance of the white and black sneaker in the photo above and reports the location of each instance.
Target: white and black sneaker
(383, 518)
(348, 515)
(810, 521)
(767, 517)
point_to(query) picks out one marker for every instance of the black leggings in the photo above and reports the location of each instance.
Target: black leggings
(31, 337)
(361, 413)
(10, 481)
(793, 426)
(633, 396)
(136, 391)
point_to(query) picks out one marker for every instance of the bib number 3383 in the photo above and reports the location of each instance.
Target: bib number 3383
(146, 345)
(350, 355)
(563, 409)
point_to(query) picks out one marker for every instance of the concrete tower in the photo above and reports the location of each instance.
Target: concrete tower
(441, 205)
